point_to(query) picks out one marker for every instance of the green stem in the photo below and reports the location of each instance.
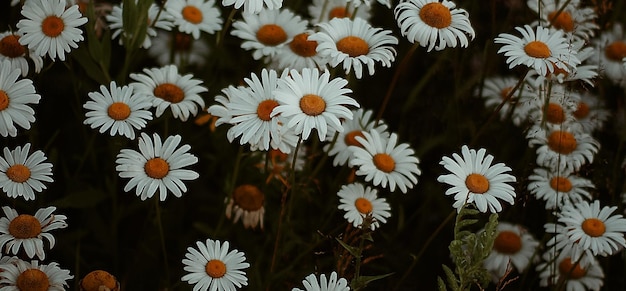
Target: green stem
(162, 239)
(229, 21)
(401, 68)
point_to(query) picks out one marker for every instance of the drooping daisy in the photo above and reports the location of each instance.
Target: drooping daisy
(27, 232)
(355, 43)
(300, 53)
(610, 54)
(496, 89)
(254, 6)
(558, 189)
(563, 149)
(246, 203)
(591, 113)
(279, 163)
(15, 98)
(178, 48)
(49, 28)
(21, 275)
(383, 161)
(475, 179)
(158, 166)
(542, 50)
(577, 277)
(116, 23)
(359, 202)
(325, 10)
(118, 109)
(310, 100)
(22, 174)
(433, 23)
(513, 246)
(99, 280)
(334, 283)
(213, 267)
(17, 54)
(194, 16)
(576, 21)
(268, 31)
(169, 89)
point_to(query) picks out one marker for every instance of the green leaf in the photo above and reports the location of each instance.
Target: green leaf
(352, 250)
(363, 281)
(451, 278)
(441, 285)
(91, 68)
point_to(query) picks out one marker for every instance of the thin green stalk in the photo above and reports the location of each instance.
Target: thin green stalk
(162, 239)
(230, 187)
(229, 21)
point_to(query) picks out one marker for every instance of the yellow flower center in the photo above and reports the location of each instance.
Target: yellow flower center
(215, 269)
(537, 49)
(555, 113)
(169, 92)
(561, 184)
(563, 21)
(300, 45)
(338, 12)
(354, 46)
(18, 173)
(436, 15)
(616, 51)
(507, 242)
(156, 168)
(582, 110)
(384, 162)
(477, 183)
(32, 280)
(52, 26)
(572, 272)
(271, 35)
(182, 42)
(593, 227)
(4, 100)
(562, 142)
(98, 280)
(350, 138)
(192, 14)
(118, 111)
(312, 104)
(363, 205)
(265, 108)
(248, 197)
(24, 226)
(10, 46)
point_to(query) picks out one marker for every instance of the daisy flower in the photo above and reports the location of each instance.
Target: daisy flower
(355, 43)
(268, 31)
(576, 21)
(118, 109)
(541, 51)
(22, 174)
(383, 161)
(563, 149)
(179, 49)
(357, 3)
(558, 189)
(591, 112)
(433, 23)
(610, 54)
(475, 179)
(578, 277)
(169, 89)
(254, 6)
(325, 10)
(496, 89)
(193, 16)
(513, 245)
(311, 283)
(116, 23)
(21, 275)
(49, 28)
(246, 203)
(553, 108)
(313, 101)
(158, 166)
(15, 96)
(99, 280)
(582, 72)
(562, 245)
(359, 202)
(300, 53)
(27, 232)
(213, 267)
(279, 163)
(17, 54)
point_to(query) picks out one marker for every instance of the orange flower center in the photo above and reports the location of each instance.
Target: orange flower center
(33, 280)
(562, 142)
(350, 138)
(52, 26)
(507, 242)
(477, 183)
(573, 272)
(169, 92)
(582, 110)
(537, 49)
(616, 51)
(248, 197)
(18, 173)
(192, 14)
(312, 104)
(561, 184)
(505, 92)
(25, 226)
(555, 113)
(300, 45)
(182, 42)
(363, 205)
(156, 168)
(265, 108)
(215, 269)
(118, 111)
(557, 71)
(98, 280)
(4, 100)
(354, 46)
(271, 35)
(384, 162)
(436, 15)
(593, 227)
(563, 21)
(10, 46)
(277, 156)
(338, 12)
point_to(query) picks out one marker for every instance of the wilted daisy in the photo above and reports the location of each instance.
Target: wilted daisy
(194, 16)
(254, 6)
(157, 166)
(610, 54)
(171, 90)
(17, 54)
(433, 23)
(22, 174)
(15, 98)
(21, 275)
(569, 16)
(213, 267)
(513, 246)
(246, 203)
(325, 10)
(496, 89)
(311, 283)
(475, 179)
(558, 189)
(49, 28)
(178, 48)
(383, 161)
(300, 53)
(563, 149)
(27, 232)
(359, 202)
(355, 43)
(313, 101)
(543, 51)
(118, 109)
(575, 275)
(99, 280)
(116, 23)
